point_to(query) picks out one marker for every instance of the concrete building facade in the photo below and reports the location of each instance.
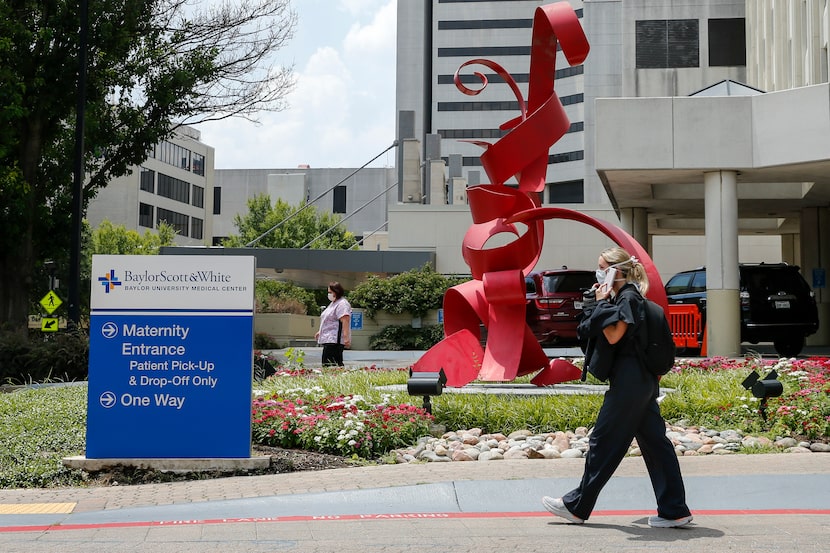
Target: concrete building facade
(787, 43)
(631, 42)
(359, 197)
(735, 164)
(174, 184)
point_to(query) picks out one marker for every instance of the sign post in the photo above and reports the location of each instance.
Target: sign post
(171, 357)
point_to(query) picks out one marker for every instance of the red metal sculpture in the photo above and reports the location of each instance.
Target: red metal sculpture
(496, 295)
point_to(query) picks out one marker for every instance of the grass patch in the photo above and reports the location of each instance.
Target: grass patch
(38, 427)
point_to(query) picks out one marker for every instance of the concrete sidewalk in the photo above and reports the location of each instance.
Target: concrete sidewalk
(743, 503)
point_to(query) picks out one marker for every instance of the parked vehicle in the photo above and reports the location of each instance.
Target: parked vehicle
(554, 303)
(777, 304)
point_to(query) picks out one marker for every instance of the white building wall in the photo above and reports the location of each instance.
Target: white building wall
(120, 201)
(368, 193)
(787, 43)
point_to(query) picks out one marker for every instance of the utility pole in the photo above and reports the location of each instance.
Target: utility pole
(78, 182)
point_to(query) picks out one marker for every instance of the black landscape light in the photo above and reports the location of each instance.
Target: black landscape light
(426, 384)
(763, 388)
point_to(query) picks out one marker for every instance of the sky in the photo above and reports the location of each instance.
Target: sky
(341, 112)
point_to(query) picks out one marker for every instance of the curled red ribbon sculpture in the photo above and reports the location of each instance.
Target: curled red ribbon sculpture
(496, 295)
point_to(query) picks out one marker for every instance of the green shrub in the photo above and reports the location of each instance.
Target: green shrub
(264, 341)
(396, 338)
(273, 296)
(416, 292)
(60, 356)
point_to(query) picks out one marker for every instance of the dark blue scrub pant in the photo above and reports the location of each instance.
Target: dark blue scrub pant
(630, 410)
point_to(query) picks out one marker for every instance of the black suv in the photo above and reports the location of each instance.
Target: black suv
(554, 303)
(777, 305)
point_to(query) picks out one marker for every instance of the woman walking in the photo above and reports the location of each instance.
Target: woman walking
(630, 407)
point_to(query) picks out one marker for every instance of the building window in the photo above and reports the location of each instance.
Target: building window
(148, 180)
(483, 51)
(199, 164)
(173, 188)
(217, 200)
(179, 156)
(501, 106)
(339, 200)
(471, 79)
(492, 133)
(179, 221)
(485, 24)
(667, 43)
(727, 42)
(145, 215)
(475, 161)
(196, 228)
(568, 192)
(471, 133)
(198, 196)
(566, 157)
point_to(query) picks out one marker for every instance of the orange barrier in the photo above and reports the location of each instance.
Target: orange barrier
(685, 324)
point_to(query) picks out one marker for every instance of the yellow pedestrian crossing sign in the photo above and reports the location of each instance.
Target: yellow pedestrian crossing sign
(49, 325)
(50, 302)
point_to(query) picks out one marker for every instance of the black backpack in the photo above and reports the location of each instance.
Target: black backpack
(655, 344)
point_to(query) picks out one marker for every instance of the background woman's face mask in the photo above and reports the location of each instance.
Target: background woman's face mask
(331, 296)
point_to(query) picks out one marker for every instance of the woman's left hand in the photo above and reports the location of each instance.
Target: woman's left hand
(603, 292)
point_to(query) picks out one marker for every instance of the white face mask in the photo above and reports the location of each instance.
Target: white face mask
(600, 273)
(331, 296)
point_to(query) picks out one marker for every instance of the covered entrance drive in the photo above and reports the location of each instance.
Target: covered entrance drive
(722, 166)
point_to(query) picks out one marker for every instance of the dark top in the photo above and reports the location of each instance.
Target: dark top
(600, 356)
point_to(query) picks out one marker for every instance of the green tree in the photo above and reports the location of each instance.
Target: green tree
(303, 224)
(117, 240)
(416, 291)
(153, 66)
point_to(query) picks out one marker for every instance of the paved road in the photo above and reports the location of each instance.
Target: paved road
(741, 503)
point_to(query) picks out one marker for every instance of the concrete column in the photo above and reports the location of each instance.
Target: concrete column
(457, 191)
(634, 221)
(410, 181)
(791, 248)
(722, 277)
(437, 182)
(410, 171)
(815, 257)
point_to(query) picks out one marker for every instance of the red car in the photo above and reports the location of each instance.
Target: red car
(554, 304)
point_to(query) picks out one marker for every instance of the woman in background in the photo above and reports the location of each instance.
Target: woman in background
(335, 329)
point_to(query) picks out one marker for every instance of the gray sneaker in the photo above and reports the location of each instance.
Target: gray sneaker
(557, 507)
(660, 522)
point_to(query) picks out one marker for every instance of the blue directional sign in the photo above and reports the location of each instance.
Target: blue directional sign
(170, 357)
(819, 278)
(356, 320)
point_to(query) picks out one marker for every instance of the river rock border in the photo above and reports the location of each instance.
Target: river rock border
(474, 445)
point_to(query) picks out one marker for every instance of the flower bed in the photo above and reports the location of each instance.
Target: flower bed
(707, 393)
(342, 425)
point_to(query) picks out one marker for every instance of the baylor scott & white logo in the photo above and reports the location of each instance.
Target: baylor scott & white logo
(109, 281)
